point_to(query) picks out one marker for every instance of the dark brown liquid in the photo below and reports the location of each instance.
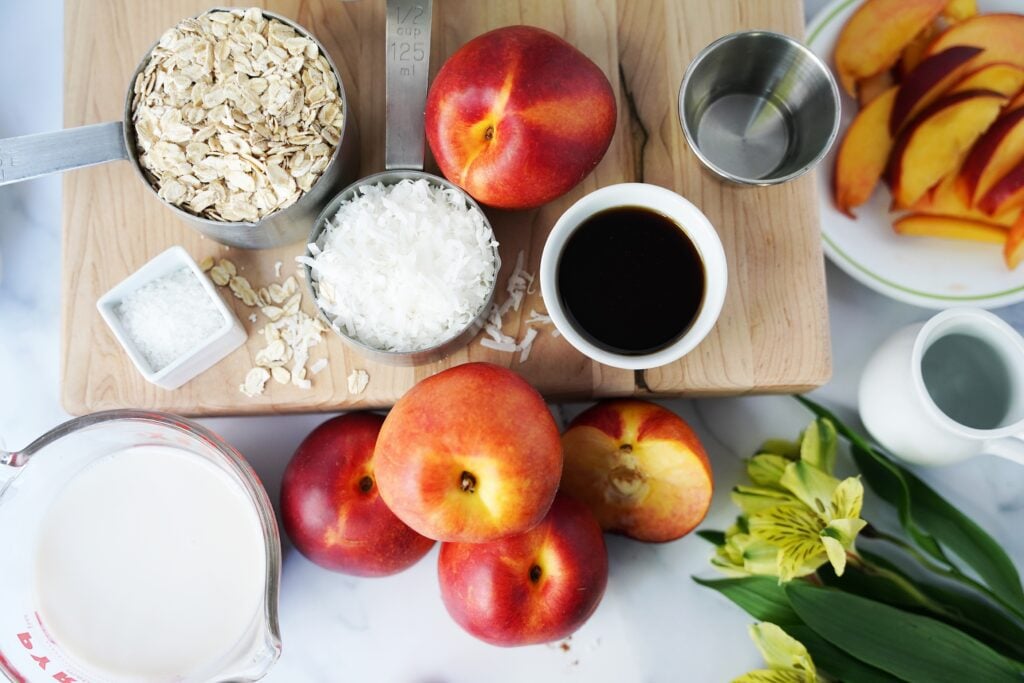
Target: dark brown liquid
(630, 280)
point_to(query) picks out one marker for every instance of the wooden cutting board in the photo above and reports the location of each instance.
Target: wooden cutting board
(773, 335)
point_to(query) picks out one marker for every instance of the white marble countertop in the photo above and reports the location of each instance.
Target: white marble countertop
(655, 624)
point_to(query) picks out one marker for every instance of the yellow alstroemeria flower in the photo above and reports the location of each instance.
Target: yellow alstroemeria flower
(787, 659)
(819, 523)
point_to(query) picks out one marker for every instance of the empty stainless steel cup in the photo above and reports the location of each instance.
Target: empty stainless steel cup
(759, 108)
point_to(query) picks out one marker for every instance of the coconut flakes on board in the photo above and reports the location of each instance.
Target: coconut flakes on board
(519, 284)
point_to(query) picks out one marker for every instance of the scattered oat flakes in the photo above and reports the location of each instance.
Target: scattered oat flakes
(236, 115)
(277, 268)
(357, 381)
(254, 382)
(289, 332)
(206, 264)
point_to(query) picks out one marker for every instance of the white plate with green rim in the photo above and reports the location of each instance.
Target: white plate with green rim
(924, 271)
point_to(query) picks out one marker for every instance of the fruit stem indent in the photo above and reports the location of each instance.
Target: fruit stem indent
(535, 572)
(365, 484)
(467, 482)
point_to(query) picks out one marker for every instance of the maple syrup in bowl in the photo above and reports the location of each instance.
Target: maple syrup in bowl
(634, 276)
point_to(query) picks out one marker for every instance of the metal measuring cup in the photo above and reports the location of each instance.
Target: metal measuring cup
(408, 52)
(759, 108)
(31, 156)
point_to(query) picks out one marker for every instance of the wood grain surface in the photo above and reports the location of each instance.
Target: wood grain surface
(773, 334)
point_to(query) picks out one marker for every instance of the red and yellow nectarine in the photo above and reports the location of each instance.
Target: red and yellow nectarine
(471, 454)
(639, 468)
(331, 506)
(534, 587)
(518, 117)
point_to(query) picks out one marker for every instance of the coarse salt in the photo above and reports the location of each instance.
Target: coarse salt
(404, 267)
(169, 317)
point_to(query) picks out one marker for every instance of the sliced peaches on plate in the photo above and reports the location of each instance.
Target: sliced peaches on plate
(949, 227)
(1002, 36)
(874, 37)
(928, 82)
(935, 143)
(914, 52)
(871, 88)
(995, 154)
(1007, 194)
(863, 154)
(945, 199)
(639, 468)
(1013, 250)
(1001, 77)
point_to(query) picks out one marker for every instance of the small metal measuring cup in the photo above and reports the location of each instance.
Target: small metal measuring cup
(31, 156)
(759, 108)
(408, 53)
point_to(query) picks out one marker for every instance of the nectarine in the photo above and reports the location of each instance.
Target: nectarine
(518, 117)
(945, 199)
(471, 454)
(639, 468)
(873, 39)
(331, 506)
(1013, 250)
(1007, 194)
(949, 227)
(1005, 79)
(994, 155)
(937, 141)
(1001, 36)
(534, 587)
(932, 77)
(863, 154)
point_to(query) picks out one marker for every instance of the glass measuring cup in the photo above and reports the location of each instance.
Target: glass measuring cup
(407, 61)
(31, 156)
(31, 480)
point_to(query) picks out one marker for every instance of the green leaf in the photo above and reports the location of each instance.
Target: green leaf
(713, 537)
(931, 521)
(909, 646)
(957, 532)
(835, 663)
(970, 611)
(760, 596)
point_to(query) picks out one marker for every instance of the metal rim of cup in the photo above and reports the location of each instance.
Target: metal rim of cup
(132, 149)
(691, 137)
(417, 356)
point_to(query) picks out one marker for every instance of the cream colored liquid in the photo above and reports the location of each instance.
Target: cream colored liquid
(150, 564)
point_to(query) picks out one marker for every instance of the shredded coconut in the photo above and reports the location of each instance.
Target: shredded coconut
(357, 381)
(404, 267)
(517, 287)
(169, 317)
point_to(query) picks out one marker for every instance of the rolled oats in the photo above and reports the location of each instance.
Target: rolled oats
(236, 115)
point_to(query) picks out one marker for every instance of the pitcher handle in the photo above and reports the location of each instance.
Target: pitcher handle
(1008, 447)
(408, 61)
(31, 156)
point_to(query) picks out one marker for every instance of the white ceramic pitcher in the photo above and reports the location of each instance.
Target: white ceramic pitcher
(898, 397)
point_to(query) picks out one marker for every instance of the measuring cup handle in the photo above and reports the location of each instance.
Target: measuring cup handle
(10, 466)
(408, 61)
(31, 156)
(1009, 447)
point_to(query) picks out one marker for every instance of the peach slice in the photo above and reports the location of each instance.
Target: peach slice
(863, 154)
(871, 88)
(1013, 250)
(945, 199)
(1007, 194)
(639, 468)
(1001, 36)
(874, 37)
(913, 53)
(994, 155)
(950, 227)
(936, 142)
(1005, 79)
(1017, 101)
(927, 82)
(959, 10)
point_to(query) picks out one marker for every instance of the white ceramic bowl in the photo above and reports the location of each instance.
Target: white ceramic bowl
(229, 337)
(681, 212)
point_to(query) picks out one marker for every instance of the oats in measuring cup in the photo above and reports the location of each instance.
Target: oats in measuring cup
(236, 115)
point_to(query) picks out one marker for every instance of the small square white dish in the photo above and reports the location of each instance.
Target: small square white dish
(228, 337)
